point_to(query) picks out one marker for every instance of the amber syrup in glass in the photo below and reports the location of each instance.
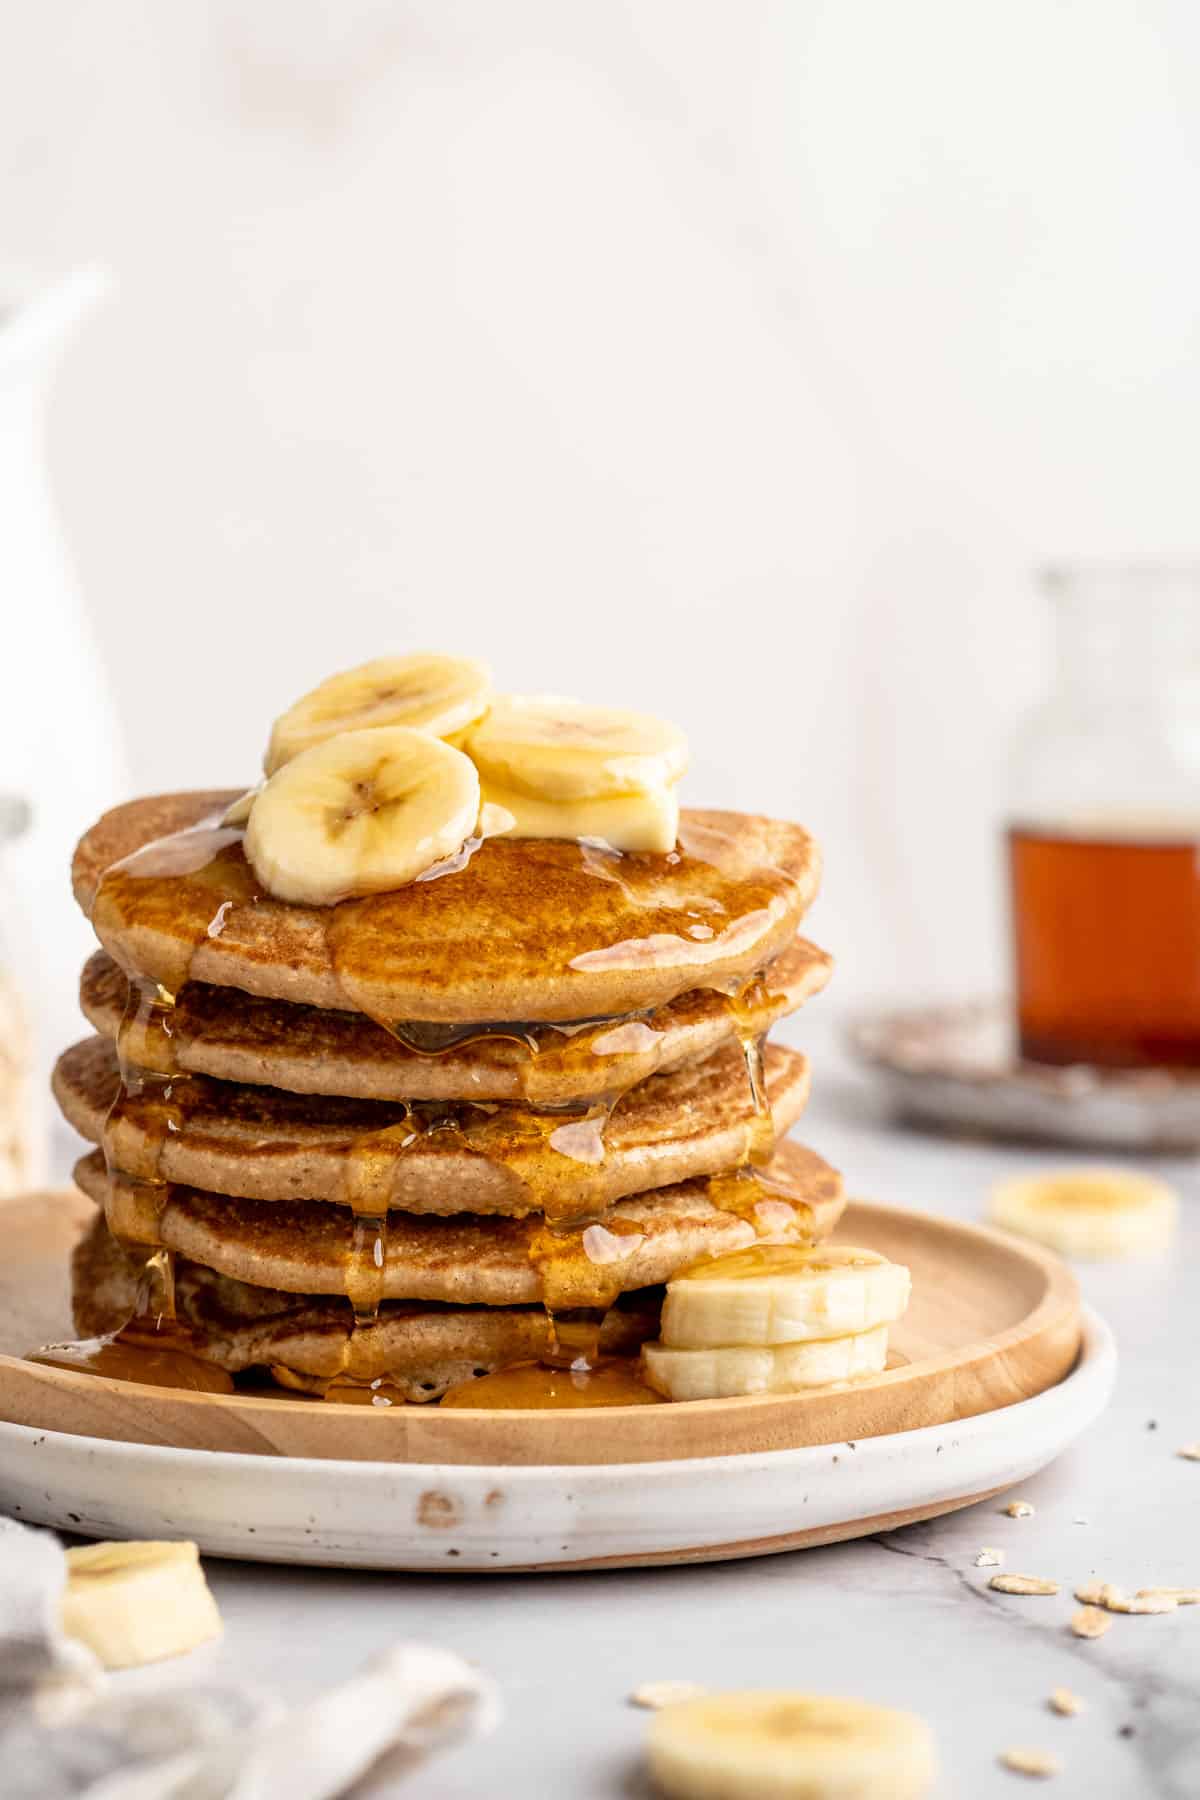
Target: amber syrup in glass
(1107, 947)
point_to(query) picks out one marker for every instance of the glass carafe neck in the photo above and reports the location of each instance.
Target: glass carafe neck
(1127, 635)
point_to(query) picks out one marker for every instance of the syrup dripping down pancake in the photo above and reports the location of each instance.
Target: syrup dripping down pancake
(233, 1036)
(302, 1246)
(262, 1143)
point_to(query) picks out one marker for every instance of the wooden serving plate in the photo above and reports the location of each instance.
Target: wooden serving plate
(998, 1380)
(993, 1321)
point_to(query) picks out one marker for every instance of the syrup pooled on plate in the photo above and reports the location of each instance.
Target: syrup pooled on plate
(536, 1386)
(120, 1359)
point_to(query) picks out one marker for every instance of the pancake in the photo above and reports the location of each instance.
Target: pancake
(266, 1144)
(522, 930)
(304, 1246)
(421, 1349)
(233, 1036)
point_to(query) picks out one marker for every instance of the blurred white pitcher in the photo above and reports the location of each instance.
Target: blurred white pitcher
(60, 747)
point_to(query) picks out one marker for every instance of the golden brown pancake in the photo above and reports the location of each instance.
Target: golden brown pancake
(265, 1144)
(309, 1050)
(421, 1349)
(305, 1246)
(526, 930)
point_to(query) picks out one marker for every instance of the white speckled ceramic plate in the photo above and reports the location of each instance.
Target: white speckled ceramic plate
(428, 1516)
(956, 1068)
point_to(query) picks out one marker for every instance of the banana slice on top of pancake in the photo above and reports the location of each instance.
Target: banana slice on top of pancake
(361, 813)
(427, 692)
(565, 769)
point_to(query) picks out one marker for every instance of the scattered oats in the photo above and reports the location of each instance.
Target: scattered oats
(1116, 1600)
(1065, 1703)
(1181, 1596)
(1190, 1452)
(654, 1694)
(1019, 1509)
(1090, 1622)
(1145, 1603)
(1022, 1584)
(989, 1559)
(1031, 1762)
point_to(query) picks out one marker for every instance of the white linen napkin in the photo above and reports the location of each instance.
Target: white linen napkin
(65, 1734)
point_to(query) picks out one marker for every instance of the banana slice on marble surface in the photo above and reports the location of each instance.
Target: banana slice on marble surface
(1094, 1213)
(777, 1745)
(569, 770)
(134, 1603)
(782, 1294)
(439, 695)
(361, 813)
(722, 1374)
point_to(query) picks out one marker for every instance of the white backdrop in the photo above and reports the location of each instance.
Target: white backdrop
(731, 358)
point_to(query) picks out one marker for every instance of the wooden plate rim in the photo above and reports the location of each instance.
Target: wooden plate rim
(1054, 1315)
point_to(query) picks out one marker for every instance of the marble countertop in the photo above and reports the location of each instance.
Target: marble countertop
(905, 1618)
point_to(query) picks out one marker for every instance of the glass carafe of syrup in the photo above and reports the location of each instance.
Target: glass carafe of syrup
(1104, 826)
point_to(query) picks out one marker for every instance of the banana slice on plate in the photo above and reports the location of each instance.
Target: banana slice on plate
(782, 1294)
(439, 695)
(564, 769)
(138, 1602)
(1096, 1213)
(362, 813)
(769, 1745)
(722, 1374)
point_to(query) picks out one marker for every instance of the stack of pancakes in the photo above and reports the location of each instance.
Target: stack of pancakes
(418, 1137)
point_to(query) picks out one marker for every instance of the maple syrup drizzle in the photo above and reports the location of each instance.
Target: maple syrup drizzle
(186, 885)
(151, 1105)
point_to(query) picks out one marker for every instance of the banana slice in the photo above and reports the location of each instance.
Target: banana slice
(362, 813)
(564, 750)
(789, 1746)
(138, 1602)
(1089, 1212)
(439, 695)
(721, 1374)
(782, 1294)
(626, 821)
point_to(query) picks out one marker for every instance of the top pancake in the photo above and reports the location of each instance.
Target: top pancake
(527, 930)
